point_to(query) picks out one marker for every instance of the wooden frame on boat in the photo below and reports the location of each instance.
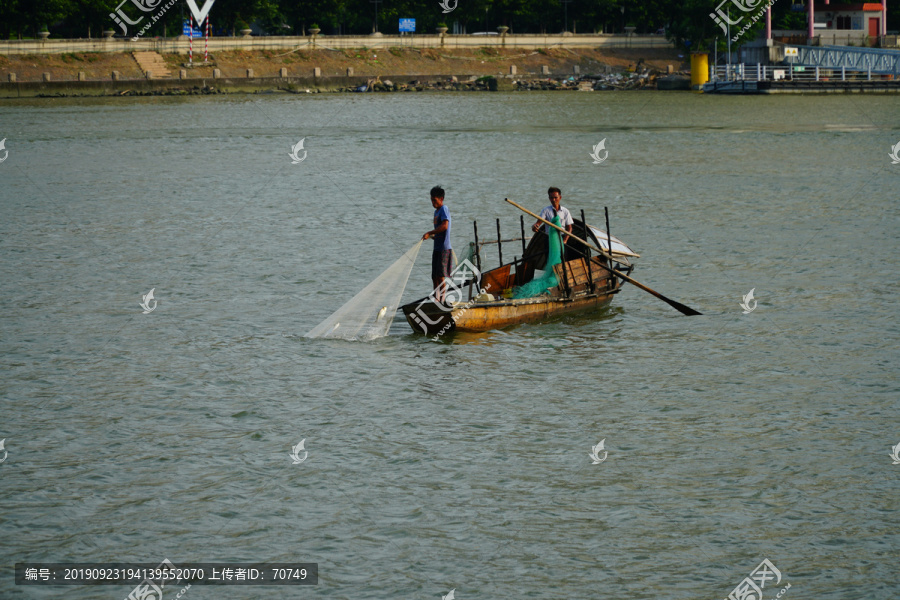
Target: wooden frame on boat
(491, 306)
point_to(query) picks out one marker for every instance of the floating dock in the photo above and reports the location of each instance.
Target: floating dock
(803, 86)
(812, 70)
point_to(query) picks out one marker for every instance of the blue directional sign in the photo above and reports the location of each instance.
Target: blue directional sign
(186, 29)
(407, 25)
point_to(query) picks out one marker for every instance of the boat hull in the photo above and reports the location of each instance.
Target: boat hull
(427, 317)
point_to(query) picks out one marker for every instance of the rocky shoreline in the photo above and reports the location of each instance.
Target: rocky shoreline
(645, 80)
(582, 83)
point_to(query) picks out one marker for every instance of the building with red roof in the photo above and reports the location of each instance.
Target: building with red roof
(841, 24)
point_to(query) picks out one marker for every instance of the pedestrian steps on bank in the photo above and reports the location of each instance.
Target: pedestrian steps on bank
(152, 62)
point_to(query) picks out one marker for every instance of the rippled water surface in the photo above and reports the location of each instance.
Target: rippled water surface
(461, 463)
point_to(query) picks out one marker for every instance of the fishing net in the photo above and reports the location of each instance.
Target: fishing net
(540, 285)
(468, 255)
(369, 314)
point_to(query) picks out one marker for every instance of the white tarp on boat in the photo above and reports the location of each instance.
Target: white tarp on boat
(618, 246)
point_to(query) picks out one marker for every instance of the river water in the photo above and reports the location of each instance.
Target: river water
(463, 463)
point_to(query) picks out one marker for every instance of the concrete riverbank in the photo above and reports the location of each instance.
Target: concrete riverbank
(96, 74)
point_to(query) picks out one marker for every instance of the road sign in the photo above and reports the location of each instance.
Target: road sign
(186, 29)
(790, 52)
(407, 25)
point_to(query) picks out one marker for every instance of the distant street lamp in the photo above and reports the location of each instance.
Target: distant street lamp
(623, 18)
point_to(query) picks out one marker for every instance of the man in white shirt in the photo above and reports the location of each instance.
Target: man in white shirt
(565, 218)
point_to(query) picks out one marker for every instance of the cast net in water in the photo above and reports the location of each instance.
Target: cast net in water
(540, 284)
(369, 314)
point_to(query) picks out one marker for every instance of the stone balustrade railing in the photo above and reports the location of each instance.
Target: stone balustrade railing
(180, 44)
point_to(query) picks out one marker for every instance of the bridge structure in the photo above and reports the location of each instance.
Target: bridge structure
(872, 60)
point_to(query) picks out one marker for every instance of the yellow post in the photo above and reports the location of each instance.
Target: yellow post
(699, 69)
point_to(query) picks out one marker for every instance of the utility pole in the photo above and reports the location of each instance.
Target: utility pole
(565, 3)
(375, 2)
(728, 20)
(716, 59)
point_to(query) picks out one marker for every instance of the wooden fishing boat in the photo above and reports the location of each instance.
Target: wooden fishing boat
(485, 303)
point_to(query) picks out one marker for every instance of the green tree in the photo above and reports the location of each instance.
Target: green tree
(90, 16)
(689, 25)
(685, 20)
(24, 18)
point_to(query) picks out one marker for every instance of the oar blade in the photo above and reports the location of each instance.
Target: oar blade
(685, 310)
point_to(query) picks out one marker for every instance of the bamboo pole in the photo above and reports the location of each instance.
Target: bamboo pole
(683, 309)
(499, 244)
(590, 271)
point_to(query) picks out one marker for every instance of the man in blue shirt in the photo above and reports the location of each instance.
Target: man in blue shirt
(442, 257)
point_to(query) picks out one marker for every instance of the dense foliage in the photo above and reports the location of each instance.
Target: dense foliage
(686, 22)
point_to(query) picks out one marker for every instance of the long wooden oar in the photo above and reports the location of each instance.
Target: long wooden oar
(685, 310)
